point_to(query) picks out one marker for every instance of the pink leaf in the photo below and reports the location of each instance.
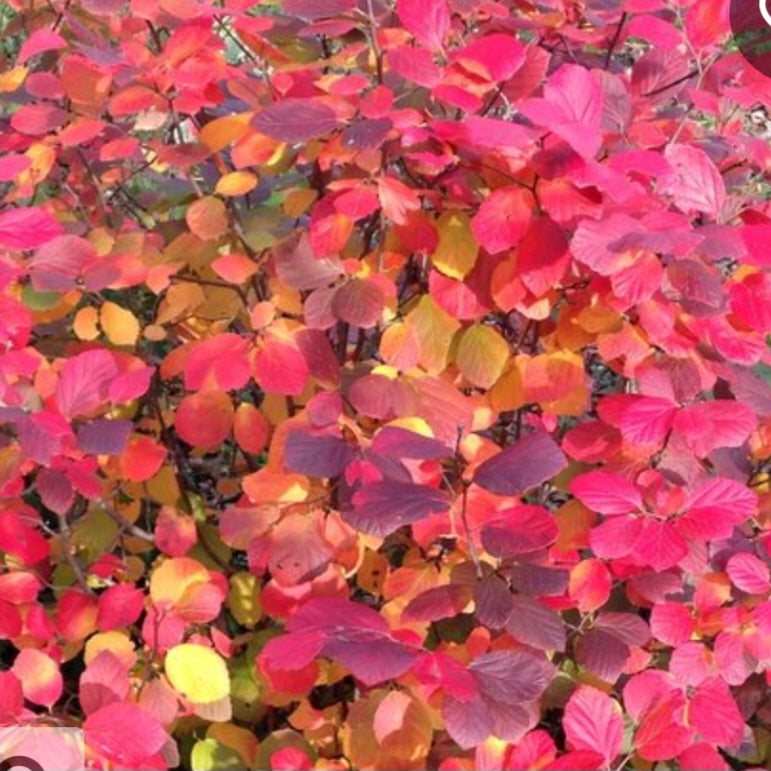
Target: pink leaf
(647, 420)
(748, 573)
(715, 715)
(39, 41)
(606, 493)
(593, 721)
(695, 183)
(125, 734)
(27, 228)
(83, 382)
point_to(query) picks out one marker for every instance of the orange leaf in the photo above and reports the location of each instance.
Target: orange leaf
(204, 419)
(251, 429)
(120, 325)
(141, 459)
(236, 183)
(207, 218)
(234, 268)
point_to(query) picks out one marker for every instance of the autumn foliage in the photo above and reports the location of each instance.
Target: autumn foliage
(385, 385)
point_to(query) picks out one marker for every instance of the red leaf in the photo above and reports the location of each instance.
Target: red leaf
(359, 302)
(280, 368)
(105, 681)
(647, 420)
(521, 466)
(428, 20)
(57, 264)
(217, 363)
(542, 256)
(661, 734)
(495, 57)
(295, 120)
(571, 108)
(502, 219)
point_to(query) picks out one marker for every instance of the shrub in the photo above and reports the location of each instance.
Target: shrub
(385, 386)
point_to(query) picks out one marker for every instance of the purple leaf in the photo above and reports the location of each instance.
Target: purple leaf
(103, 436)
(295, 120)
(382, 507)
(401, 443)
(519, 530)
(317, 453)
(512, 677)
(602, 654)
(493, 601)
(526, 464)
(438, 602)
(468, 723)
(536, 625)
(357, 636)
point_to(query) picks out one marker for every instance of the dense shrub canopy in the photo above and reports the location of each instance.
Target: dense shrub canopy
(384, 386)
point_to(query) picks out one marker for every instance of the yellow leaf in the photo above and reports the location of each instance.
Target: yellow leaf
(86, 323)
(457, 252)
(297, 202)
(173, 578)
(244, 599)
(434, 330)
(198, 673)
(481, 356)
(211, 755)
(119, 324)
(42, 158)
(236, 183)
(13, 78)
